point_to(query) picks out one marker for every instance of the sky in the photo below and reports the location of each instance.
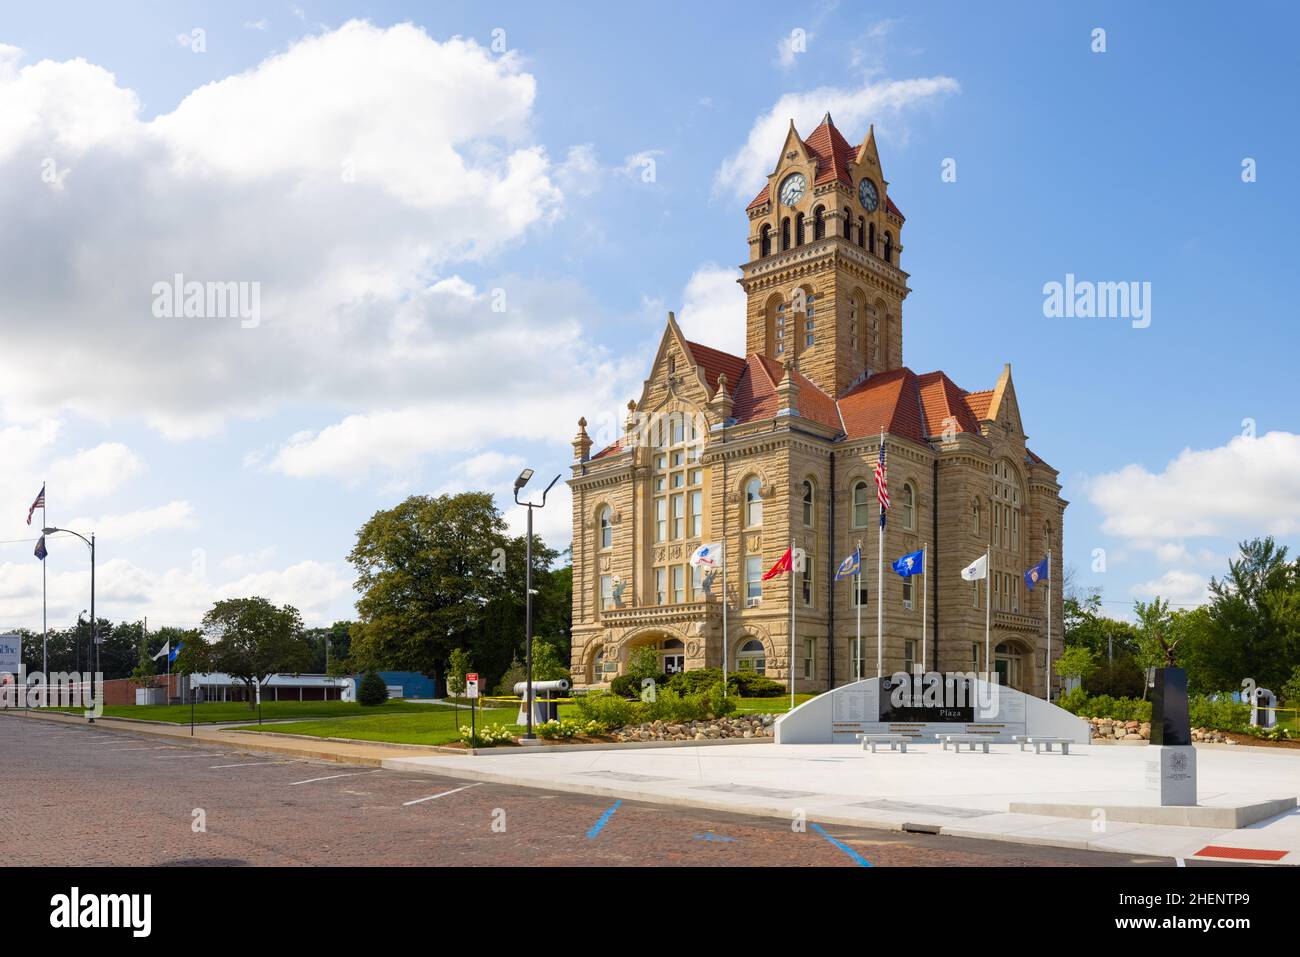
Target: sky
(457, 227)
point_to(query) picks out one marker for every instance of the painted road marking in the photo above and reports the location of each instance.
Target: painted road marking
(161, 747)
(331, 777)
(250, 764)
(434, 797)
(862, 861)
(715, 838)
(603, 820)
(1240, 853)
(166, 757)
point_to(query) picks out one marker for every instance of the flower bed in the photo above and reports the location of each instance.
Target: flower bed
(746, 726)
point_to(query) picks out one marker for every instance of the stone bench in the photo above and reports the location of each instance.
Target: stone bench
(896, 742)
(1041, 741)
(957, 740)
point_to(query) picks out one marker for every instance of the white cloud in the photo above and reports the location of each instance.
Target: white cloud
(787, 51)
(713, 309)
(1247, 487)
(405, 154)
(174, 516)
(744, 172)
(1178, 586)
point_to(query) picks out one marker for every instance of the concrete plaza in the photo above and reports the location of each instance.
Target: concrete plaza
(967, 794)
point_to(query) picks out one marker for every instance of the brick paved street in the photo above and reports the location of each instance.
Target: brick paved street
(76, 795)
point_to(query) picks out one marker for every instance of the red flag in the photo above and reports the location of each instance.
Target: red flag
(783, 565)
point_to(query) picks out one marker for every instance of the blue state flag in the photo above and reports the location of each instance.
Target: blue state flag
(849, 567)
(175, 651)
(1036, 574)
(40, 549)
(913, 563)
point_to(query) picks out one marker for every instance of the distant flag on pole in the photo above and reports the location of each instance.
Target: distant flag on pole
(882, 485)
(707, 556)
(39, 503)
(783, 564)
(175, 651)
(913, 563)
(40, 548)
(1036, 574)
(164, 650)
(977, 569)
(849, 567)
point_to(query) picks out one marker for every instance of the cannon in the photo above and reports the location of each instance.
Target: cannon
(544, 709)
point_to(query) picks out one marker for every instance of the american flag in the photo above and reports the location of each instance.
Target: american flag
(39, 503)
(882, 486)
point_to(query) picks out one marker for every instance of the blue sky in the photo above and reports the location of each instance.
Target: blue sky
(380, 182)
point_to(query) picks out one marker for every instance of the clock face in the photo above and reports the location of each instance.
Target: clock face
(868, 196)
(792, 188)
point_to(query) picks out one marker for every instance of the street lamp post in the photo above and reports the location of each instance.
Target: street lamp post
(94, 641)
(520, 482)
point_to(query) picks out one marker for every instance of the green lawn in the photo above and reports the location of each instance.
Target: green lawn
(216, 712)
(430, 726)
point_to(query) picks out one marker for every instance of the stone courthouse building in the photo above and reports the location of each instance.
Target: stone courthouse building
(777, 445)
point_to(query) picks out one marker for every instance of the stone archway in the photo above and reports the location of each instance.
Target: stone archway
(1013, 663)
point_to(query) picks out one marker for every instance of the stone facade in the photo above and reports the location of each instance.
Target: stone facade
(779, 447)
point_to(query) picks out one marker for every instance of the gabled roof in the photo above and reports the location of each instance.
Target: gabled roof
(755, 395)
(979, 403)
(713, 361)
(888, 400)
(943, 401)
(834, 157)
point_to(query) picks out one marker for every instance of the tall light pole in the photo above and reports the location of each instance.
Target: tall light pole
(94, 641)
(520, 482)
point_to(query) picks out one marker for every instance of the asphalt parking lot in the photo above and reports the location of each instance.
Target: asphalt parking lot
(76, 795)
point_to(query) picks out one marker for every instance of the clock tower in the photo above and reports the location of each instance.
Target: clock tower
(823, 281)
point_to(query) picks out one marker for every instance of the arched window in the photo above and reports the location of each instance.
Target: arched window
(848, 224)
(871, 239)
(861, 505)
(862, 231)
(975, 517)
(765, 240)
(819, 223)
(785, 233)
(909, 506)
(606, 527)
(807, 504)
(798, 230)
(753, 503)
(752, 657)
(889, 247)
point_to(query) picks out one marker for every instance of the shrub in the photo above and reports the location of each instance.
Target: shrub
(719, 704)
(372, 691)
(629, 686)
(749, 685)
(1075, 701)
(488, 736)
(643, 663)
(1221, 715)
(692, 682)
(609, 711)
(458, 665)
(567, 728)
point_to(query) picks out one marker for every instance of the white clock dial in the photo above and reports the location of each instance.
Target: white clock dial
(868, 196)
(792, 188)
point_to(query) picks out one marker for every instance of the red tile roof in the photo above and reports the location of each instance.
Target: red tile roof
(979, 402)
(713, 361)
(755, 395)
(941, 400)
(887, 400)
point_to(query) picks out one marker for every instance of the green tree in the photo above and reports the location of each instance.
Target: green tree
(1076, 662)
(457, 667)
(430, 575)
(249, 639)
(144, 675)
(1252, 623)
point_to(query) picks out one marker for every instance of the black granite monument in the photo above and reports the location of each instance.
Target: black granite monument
(1170, 724)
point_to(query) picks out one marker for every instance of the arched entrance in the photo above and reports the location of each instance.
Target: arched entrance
(1008, 664)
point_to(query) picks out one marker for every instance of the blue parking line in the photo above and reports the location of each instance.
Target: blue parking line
(714, 838)
(862, 861)
(603, 820)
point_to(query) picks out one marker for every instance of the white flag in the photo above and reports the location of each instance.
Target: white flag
(166, 649)
(799, 559)
(709, 555)
(977, 569)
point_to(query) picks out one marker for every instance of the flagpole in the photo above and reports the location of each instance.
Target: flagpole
(1047, 691)
(880, 576)
(791, 662)
(857, 600)
(925, 570)
(45, 618)
(725, 550)
(988, 616)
